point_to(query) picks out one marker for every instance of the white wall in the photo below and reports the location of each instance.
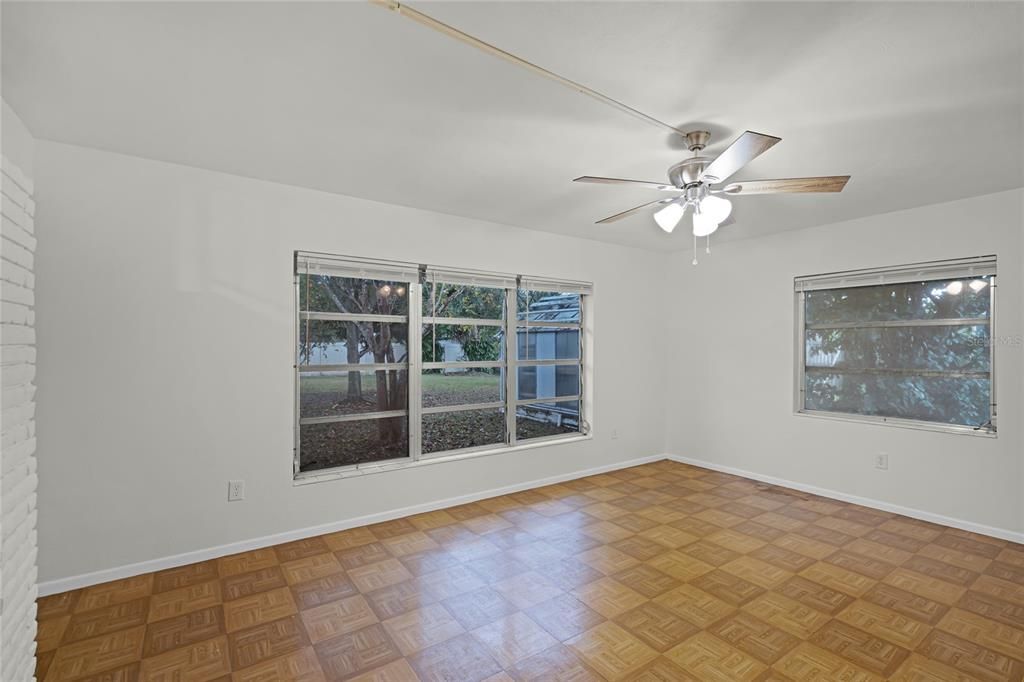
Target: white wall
(165, 320)
(166, 307)
(732, 396)
(17, 385)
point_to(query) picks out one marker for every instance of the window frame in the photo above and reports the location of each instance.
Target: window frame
(415, 364)
(955, 268)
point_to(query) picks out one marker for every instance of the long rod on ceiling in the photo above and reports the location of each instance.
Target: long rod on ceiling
(453, 32)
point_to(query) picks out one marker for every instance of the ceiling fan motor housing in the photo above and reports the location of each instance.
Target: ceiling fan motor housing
(688, 171)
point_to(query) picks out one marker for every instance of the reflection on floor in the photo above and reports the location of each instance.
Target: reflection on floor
(659, 572)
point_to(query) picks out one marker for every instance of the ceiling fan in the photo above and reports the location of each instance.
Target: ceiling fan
(697, 183)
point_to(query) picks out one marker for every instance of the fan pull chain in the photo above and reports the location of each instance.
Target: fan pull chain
(707, 245)
(694, 261)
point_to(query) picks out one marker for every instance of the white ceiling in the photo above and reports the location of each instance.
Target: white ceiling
(920, 102)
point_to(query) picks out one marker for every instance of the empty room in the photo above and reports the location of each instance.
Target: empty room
(512, 341)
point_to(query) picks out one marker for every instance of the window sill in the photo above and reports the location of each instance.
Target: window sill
(900, 423)
(305, 478)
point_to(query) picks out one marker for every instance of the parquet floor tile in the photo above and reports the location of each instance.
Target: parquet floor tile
(564, 617)
(300, 666)
(51, 631)
(786, 614)
(363, 555)
(875, 569)
(202, 661)
(115, 592)
(479, 607)
(884, 623)
(1003, 589)
(184, 600)
(997, 636)
(338, 618)
(926, 586)
(860, 648)
(422, 628)
(300, 548)
(246, 562)
(458, 658)
(191, 628)
(96, 655)
(261, 607)
(269, 640)
(613, 652)
(662, 669)
(513, 638)
(656, 626)
(754, 637)
(970, 657)
(240, 585)
(184, 576)
(396, 671)
(311, 567)
(917, 668)
(695, 606)
(710, 658)
(1012, 555)
(659, 573)
(993, 608)
(557, 664)
(809, 663)
(357, 652)
(57, 605)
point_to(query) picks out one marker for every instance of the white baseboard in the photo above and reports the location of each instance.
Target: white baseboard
(86, 579)
(981, 529)
(106, 575)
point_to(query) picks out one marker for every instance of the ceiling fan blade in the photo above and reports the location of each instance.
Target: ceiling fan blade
(827, 183)
(631, 211)
(742, 151)
(636, 183)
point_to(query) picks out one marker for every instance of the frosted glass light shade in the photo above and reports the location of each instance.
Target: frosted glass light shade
(703, 225)
(716, 208)
(668, 217)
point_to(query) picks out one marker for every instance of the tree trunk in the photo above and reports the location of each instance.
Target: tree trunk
(355, 379)
(390, 429)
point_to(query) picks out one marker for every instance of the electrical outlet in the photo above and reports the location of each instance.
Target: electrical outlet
(882, 460)
(615, 434)
(236, 491)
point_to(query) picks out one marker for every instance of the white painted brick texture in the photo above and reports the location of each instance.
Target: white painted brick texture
(18, 478)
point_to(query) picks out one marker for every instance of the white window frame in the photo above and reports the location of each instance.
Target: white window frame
(413, 275)
(977, 266)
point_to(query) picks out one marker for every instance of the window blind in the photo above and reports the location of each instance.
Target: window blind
(343, 266)
(961, 268)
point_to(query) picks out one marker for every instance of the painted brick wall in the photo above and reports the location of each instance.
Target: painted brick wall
(17, 426)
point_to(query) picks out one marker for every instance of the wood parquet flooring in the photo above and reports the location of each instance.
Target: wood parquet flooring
(662, 573)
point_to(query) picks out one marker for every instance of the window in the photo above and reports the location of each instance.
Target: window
(909, 345)
(403, 362)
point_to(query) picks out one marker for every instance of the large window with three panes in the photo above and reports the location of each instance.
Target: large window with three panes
(397, 362)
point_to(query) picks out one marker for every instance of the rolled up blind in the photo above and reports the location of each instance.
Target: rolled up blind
(342, 266)
(474, 278)
(365, 268)
(961, 268)
(564, 286)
